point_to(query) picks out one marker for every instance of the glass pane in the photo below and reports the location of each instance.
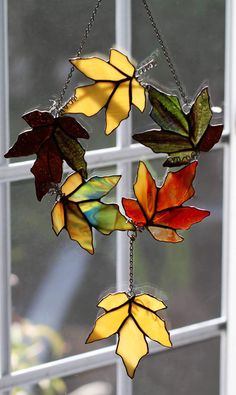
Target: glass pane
(43, 35)
(188, 370)
(56, 283)
(187, 275)
(95, 382)
(194, 33)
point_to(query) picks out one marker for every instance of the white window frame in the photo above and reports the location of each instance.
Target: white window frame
(122, 156)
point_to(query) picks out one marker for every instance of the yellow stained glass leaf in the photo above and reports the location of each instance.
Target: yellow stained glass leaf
(113, 300)
(151, 324)
(132, 346)
(95, 188)
(108, 324)
(90, 99)
(145, 190)
(119, 107)
(71, 183)
(121, 61)
(112, 91)
(97, 69)
(138, 95)
(165, 234)
(132, 323)
(58, 218)
(149, 301)
(78, 228)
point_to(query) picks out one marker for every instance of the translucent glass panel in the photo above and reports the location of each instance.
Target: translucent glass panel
(56, 284)
(95, 382)
(187, 275)
(43, 35)
(193, 369)
(194, 33)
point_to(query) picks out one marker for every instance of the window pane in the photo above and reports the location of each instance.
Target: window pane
(57, 283)
(43, 35)
(188, 370)
(95, 382)
(187, 275)
(194, 32)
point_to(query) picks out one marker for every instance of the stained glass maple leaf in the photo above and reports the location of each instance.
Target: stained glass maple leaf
(160, 209)
(182, 136)
(115, 89)
(79, 209)
(133, 319)
(52, 140)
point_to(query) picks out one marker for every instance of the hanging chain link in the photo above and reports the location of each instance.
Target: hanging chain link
(88, 28)
(166, 54)
(132, 237)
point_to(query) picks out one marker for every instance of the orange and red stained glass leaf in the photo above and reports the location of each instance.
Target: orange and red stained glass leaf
(145, 190)
(134, 211)
(177, 187)
(180, 217)
(165, 234)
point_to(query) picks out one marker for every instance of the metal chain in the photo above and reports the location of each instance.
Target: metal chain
(132, 237)
(166, 54)
(88, 28)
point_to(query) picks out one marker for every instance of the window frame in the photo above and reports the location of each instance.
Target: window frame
(122, 156)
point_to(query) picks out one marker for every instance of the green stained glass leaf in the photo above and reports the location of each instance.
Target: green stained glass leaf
(95, 188)
(167, 113)
(104, 217)
(72, 152)
(182, 145)
(180, 158)
(163, 141)
(200, 116)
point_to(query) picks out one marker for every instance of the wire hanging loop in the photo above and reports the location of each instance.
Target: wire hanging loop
(167, 56)
(58, 103)
(132, 237)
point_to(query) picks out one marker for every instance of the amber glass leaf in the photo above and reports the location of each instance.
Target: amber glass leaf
(115, 89)
(79, 209)
(52, 140)
(133, 319)
(182, 136)
(160, 210)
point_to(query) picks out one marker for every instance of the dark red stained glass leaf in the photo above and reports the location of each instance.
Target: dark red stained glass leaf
(180, 217)
(47, 168)
(38, 118)
(72, 127)
(133, 210)
(52, 140)
(210, 137)
(29, 142)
